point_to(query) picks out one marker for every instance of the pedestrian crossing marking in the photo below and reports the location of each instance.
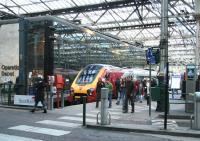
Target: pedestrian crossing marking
(59, 123)
(5, 137)
(115, 113)
(95, 115)
(160, 122)
(78, 119)
(119, 111)
(40, 130)
(112, 113)
(115, 109)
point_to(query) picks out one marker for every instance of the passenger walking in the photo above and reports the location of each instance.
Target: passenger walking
(141, 92)
(128, 95)
(148, 91)
(39, 97)
(117, 85)
(122, 91)
(100, 84)
(109, 85)
(144, 86)
(136, 89)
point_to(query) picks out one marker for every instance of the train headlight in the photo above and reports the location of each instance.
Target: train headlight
(90, 91)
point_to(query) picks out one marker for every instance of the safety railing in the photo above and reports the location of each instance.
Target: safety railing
(7, 93)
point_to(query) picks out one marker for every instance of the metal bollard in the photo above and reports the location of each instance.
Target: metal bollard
(53, 92)
(62, 99)
(104, 105)
(57, 99)
(51, 101)
(9, 98)
(84, 110)
(9, 93)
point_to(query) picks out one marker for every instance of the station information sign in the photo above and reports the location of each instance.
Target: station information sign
(190, 71)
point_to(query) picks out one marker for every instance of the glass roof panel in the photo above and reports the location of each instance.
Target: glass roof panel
(25, 2)
(179, 34)
(6, 10)
(85, 18)
(8, 2)
(57, 4)
(35, 8)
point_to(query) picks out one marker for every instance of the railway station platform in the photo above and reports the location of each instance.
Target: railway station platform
(178, 121)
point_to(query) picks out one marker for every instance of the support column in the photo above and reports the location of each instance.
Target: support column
(164, 36)
(48, 50)
(197, 50)
(164, 57)
(23, 26)
(164, 100)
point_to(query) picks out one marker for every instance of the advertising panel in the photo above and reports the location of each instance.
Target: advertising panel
(9, 52)
(27, 100)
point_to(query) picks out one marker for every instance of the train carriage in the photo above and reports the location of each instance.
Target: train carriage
(85, 82)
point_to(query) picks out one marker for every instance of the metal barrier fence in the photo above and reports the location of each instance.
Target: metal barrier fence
(7, 93)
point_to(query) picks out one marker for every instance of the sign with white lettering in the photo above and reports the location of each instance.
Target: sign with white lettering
(176, 82)
(27, 100)
(8, 73)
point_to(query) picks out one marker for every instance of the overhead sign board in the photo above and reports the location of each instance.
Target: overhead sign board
(150, 57)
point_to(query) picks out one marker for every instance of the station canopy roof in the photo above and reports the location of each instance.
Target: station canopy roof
(135, 21)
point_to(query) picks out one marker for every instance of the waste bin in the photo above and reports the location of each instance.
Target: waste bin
(155, 93)
(189, 103)
(197, 110)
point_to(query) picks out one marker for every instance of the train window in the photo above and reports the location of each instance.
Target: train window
(90, 79)
(93, 71)
(88, 74)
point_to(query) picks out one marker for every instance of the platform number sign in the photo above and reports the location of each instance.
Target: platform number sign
(152, 56)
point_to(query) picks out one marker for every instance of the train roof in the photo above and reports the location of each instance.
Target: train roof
(109, 67)
(135, 72)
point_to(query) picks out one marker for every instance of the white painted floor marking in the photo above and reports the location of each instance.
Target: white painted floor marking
(40, 130)
(78, 119)
(59, 123)
(95, 115)
(5, 137)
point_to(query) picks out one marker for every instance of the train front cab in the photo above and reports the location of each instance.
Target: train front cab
(85, 83)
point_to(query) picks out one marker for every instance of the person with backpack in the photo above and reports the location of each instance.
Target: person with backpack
(39, 97)
(100, 84)
(128, 95)
(118, 93)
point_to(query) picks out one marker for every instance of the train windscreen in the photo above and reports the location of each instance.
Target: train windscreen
(88, 74)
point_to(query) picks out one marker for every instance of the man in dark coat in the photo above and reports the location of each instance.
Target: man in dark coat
(39, 97)
(117, 85)
(128, 95)
(100, 84)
